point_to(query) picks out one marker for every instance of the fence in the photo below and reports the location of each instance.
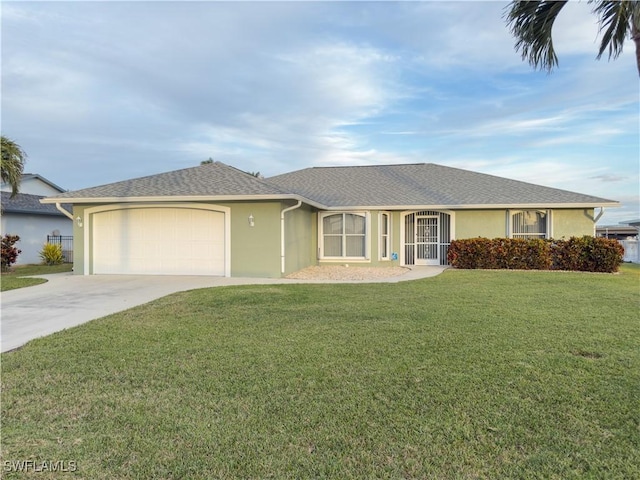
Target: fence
(631, 251)
(66, 241)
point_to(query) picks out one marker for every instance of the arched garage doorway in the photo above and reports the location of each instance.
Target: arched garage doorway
(189, 239)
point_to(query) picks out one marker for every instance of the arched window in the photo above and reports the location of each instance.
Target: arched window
(343, 235)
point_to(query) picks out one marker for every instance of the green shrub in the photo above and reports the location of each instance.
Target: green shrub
(51, 254)
(500, 253)
(9, 252)
(585, 254)
(466, 253)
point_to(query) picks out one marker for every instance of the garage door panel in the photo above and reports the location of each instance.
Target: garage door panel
(176, 241)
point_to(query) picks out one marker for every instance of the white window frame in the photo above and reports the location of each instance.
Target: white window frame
(367, 228)
(384, 255)
(548, 224)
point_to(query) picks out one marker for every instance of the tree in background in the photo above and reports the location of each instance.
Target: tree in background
(531, 22)
(12, 164)
(210, 160)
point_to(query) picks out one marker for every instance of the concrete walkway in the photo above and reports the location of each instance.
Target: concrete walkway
(67, 300)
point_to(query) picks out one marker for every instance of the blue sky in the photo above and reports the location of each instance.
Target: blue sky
(97, 92)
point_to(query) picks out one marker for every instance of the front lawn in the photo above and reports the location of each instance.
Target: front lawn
(470, 374)
(15, 278)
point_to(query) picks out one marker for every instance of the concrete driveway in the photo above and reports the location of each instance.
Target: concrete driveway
(68, 300)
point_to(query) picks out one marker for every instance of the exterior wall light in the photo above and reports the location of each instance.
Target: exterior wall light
(251, 220)
(79, 221)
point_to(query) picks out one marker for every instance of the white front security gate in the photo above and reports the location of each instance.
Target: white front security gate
(426, 238)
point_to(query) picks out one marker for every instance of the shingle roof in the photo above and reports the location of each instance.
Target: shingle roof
(25, 203)
(214, 179)
(420, 184)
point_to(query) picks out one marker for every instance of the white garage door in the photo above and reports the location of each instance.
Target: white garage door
(159, 241)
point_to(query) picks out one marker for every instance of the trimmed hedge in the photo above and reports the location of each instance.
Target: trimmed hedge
(587, 254)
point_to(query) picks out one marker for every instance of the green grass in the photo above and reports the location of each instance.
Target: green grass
(470, 374)
(14, 278)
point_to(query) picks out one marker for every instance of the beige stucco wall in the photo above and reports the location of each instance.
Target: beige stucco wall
(396, 245)
(78, 241)
(255, 251)
(480, 223)
(573, 223)
(300, 238)
(492, 223)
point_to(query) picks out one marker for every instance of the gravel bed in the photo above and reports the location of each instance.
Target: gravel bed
(340, 272)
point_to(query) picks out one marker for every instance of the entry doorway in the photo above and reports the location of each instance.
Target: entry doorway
(426, 237)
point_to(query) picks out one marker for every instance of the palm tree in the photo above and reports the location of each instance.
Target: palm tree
(531, 22)
(12, 164)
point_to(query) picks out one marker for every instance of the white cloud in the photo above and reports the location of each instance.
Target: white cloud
(116, 90)
(608, 178)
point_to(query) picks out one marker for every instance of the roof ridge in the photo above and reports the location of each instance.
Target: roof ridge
(376, 165)
(262, 180)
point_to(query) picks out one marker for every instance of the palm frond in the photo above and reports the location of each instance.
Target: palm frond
(12, 162)
(617, 20)
(531, 22)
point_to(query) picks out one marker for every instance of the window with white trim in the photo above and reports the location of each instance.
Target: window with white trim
(385, 236)
(343, 235)
(529, 224)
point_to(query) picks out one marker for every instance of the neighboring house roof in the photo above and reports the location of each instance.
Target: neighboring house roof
(616, 229)
(25, 177)
(28, 204)
(28, 176)
(423, 185)
(215, 180)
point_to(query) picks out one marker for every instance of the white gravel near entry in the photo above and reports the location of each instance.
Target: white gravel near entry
(341, 272)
